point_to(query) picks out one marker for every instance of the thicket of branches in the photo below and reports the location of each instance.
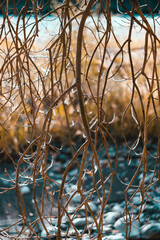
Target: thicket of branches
(84, 81)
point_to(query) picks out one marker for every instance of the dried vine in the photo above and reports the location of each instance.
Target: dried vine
(85, 84)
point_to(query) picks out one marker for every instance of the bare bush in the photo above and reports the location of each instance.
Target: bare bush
(87, 84)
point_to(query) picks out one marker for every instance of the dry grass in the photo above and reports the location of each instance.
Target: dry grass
(16, 116)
